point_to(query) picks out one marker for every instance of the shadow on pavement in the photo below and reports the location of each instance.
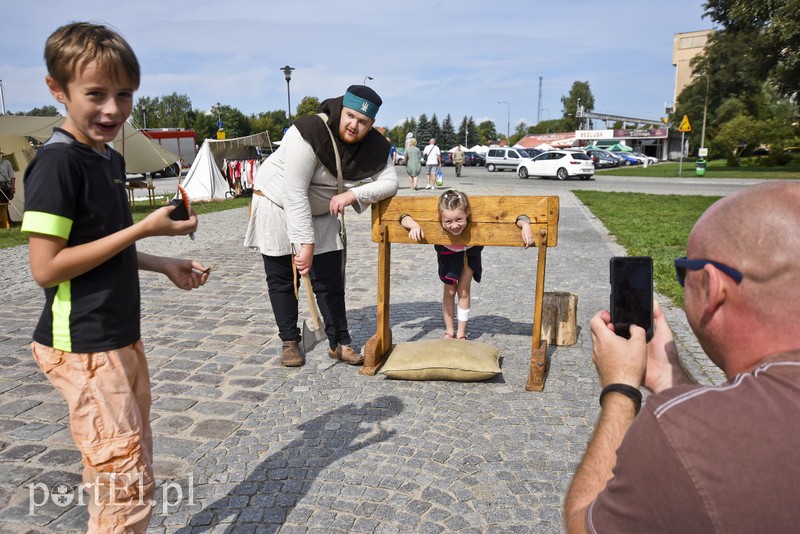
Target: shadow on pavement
(267, 496)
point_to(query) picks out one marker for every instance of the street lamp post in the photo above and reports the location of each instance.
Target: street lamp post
(508, 123)
(2, 97)
(287, 72)
(579, 114)
(367, 78)
(144, 116)
(705, 110)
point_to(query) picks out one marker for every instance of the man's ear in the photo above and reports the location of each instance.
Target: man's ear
(55, 88)
(714, 289)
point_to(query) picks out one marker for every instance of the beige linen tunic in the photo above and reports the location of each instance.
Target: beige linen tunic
(297, 191)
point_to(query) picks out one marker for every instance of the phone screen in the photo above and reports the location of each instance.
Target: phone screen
(632, 294)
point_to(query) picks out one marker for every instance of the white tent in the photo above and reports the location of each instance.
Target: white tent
(205, 181)
(544, 146)
(463, 148)
(141, 154)
(480, 149)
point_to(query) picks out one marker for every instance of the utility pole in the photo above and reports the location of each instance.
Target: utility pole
(539, 108)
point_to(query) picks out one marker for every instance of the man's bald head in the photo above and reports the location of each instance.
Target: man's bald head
(757, 232)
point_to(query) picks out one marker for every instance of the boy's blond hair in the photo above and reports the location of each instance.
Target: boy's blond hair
(74, 46)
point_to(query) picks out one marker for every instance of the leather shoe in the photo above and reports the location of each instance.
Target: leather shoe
(347, 354)
(291, 355)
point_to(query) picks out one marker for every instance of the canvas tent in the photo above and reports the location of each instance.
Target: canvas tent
(141, 154)
(205, 181)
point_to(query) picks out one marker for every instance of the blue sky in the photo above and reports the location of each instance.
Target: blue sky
(426, 57)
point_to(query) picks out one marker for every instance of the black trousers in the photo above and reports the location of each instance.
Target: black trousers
(328, 284)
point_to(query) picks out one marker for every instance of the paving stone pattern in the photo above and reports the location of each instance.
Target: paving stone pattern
(245, 445)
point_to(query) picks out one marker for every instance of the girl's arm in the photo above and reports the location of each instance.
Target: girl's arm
(414, 229)
(524, 224)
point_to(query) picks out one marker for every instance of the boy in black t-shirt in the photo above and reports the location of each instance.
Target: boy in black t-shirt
(82, 251)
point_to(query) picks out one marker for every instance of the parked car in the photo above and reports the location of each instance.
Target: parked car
(472, 159)
(559, 164)
(499, 158)
(603, 159)
(628, 158)
(400, 158)
(447, 159)
(644, 157)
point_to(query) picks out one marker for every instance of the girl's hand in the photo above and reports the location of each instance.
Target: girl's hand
(527, 235)
(416, 234)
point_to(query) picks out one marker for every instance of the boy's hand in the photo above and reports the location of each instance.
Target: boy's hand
(159, 223)
(185, 274)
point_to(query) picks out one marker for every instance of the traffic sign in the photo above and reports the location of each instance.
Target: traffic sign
(685, 126)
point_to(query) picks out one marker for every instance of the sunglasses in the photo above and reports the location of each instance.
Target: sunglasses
(682, 265)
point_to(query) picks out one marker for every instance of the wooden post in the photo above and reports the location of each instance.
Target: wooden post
(377, 348)
(539, 361)
(559, 318)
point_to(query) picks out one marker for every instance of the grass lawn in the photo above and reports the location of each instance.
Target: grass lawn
(715, 169)
(650, 225)
(13, 237)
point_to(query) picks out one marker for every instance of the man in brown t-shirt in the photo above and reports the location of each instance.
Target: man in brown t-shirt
(699, 458)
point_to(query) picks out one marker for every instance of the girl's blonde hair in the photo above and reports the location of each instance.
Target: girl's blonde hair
(453, 200)
(412, 142)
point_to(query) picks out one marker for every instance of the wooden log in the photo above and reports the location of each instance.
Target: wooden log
(4, 216)
(559, 318)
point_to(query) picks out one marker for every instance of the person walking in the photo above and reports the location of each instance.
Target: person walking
(458, 159)
(413, 162)
(432, 159)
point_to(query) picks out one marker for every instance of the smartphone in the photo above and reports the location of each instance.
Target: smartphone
(181, 211)
(632, 294)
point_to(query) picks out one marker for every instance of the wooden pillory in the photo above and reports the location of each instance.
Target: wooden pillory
(493, 223)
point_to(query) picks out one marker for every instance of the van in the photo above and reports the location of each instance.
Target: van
(500, 158)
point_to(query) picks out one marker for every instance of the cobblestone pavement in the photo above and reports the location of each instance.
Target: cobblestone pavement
(244, 445)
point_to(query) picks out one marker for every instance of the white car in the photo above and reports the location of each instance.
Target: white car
(642, 157)
(560, 164)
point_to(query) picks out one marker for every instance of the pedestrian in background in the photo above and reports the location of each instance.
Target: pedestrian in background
(458, 159)
(432, 159)
(413, 162)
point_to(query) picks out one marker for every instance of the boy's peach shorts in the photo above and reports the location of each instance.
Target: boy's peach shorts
(108, 395)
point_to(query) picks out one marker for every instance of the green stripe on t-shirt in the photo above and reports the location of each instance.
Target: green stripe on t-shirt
(39, 222)
(62, 307)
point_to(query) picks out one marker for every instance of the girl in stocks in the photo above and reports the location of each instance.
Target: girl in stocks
(458, 264)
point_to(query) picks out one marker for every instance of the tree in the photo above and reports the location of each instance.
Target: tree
(236, 124)
(436, 130)
(424, 132)
(738, 135)
(448, 133)
(272, 122)
(468, 132)
(771, 33)
(168, 111)
(308, 106)
(44, 111)
(487, 133)
(520, 131)
(580, 92)
(550, 126)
